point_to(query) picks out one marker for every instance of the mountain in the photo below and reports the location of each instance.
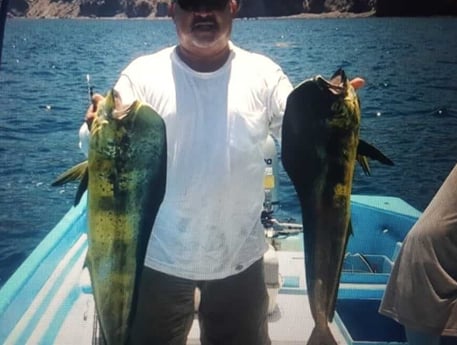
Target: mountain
(249, 8)
(274, 8)
(386, 8)
(87, 8)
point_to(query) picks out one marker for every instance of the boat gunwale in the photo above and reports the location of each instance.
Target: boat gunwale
(35, 267)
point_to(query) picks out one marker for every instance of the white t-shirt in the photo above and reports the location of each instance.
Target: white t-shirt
(208, 226)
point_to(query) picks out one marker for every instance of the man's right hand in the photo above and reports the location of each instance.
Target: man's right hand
(92, 110)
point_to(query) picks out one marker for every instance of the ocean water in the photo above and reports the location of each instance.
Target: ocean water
(409, 103)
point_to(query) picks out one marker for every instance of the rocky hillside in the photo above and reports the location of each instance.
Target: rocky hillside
(272, 8)
(249, 8)
(416, 8)
(87, 8)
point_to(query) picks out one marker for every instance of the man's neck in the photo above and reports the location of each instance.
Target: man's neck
(205, 62)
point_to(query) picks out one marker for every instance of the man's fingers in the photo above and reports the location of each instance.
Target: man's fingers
(357, 83)
(96, 98)
(92, 110)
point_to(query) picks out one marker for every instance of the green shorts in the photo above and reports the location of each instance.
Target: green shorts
(232, 310)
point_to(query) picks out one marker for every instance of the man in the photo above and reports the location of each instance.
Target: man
(422, 289)
(219, 103)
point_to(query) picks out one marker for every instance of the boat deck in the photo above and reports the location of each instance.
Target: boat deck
(289, 324)
(49, 300)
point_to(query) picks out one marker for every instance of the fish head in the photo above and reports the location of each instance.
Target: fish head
(344, 111)
(111, 123)
(351, 103)
(111, 108)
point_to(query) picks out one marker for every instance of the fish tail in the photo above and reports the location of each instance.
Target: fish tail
(322, 336)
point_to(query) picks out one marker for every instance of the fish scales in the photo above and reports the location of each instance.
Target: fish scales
(126, 183)
(319, 149)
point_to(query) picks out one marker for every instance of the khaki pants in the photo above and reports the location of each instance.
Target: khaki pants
(232, 310)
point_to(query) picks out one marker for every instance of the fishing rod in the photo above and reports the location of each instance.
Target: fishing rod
(90, 88)
(90, 92)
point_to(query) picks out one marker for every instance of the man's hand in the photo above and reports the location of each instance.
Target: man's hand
(357, 83)
(92, 110)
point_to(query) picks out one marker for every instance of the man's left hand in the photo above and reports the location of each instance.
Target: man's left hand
(357, 83)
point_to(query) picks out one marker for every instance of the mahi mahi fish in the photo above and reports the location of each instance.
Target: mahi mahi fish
(320, 145)
(125, 177)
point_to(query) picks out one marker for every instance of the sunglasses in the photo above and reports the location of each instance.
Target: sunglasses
(208, 5)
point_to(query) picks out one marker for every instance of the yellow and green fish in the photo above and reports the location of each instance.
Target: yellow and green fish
(320, 145)
(125, 176)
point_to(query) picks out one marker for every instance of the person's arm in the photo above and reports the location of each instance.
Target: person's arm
(280, 90)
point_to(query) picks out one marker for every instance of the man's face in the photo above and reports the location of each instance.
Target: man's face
(204, 26)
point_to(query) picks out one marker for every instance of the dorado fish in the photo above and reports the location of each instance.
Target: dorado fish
(125, 177)
(320, 145)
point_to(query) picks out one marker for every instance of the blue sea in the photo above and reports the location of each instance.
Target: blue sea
(409, 103)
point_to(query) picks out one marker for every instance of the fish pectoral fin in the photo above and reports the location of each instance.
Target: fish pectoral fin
(75, 173)
(78, 172)
(363, 161)
(368, 150)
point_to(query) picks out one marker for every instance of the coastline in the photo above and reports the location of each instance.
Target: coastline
(331, 15)
(324, 15)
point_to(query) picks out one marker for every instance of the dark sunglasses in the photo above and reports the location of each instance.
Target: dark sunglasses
(198, 5)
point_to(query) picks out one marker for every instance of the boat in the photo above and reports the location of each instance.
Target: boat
(49, 300)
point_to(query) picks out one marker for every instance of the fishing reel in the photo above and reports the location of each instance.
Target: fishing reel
(273, 228)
